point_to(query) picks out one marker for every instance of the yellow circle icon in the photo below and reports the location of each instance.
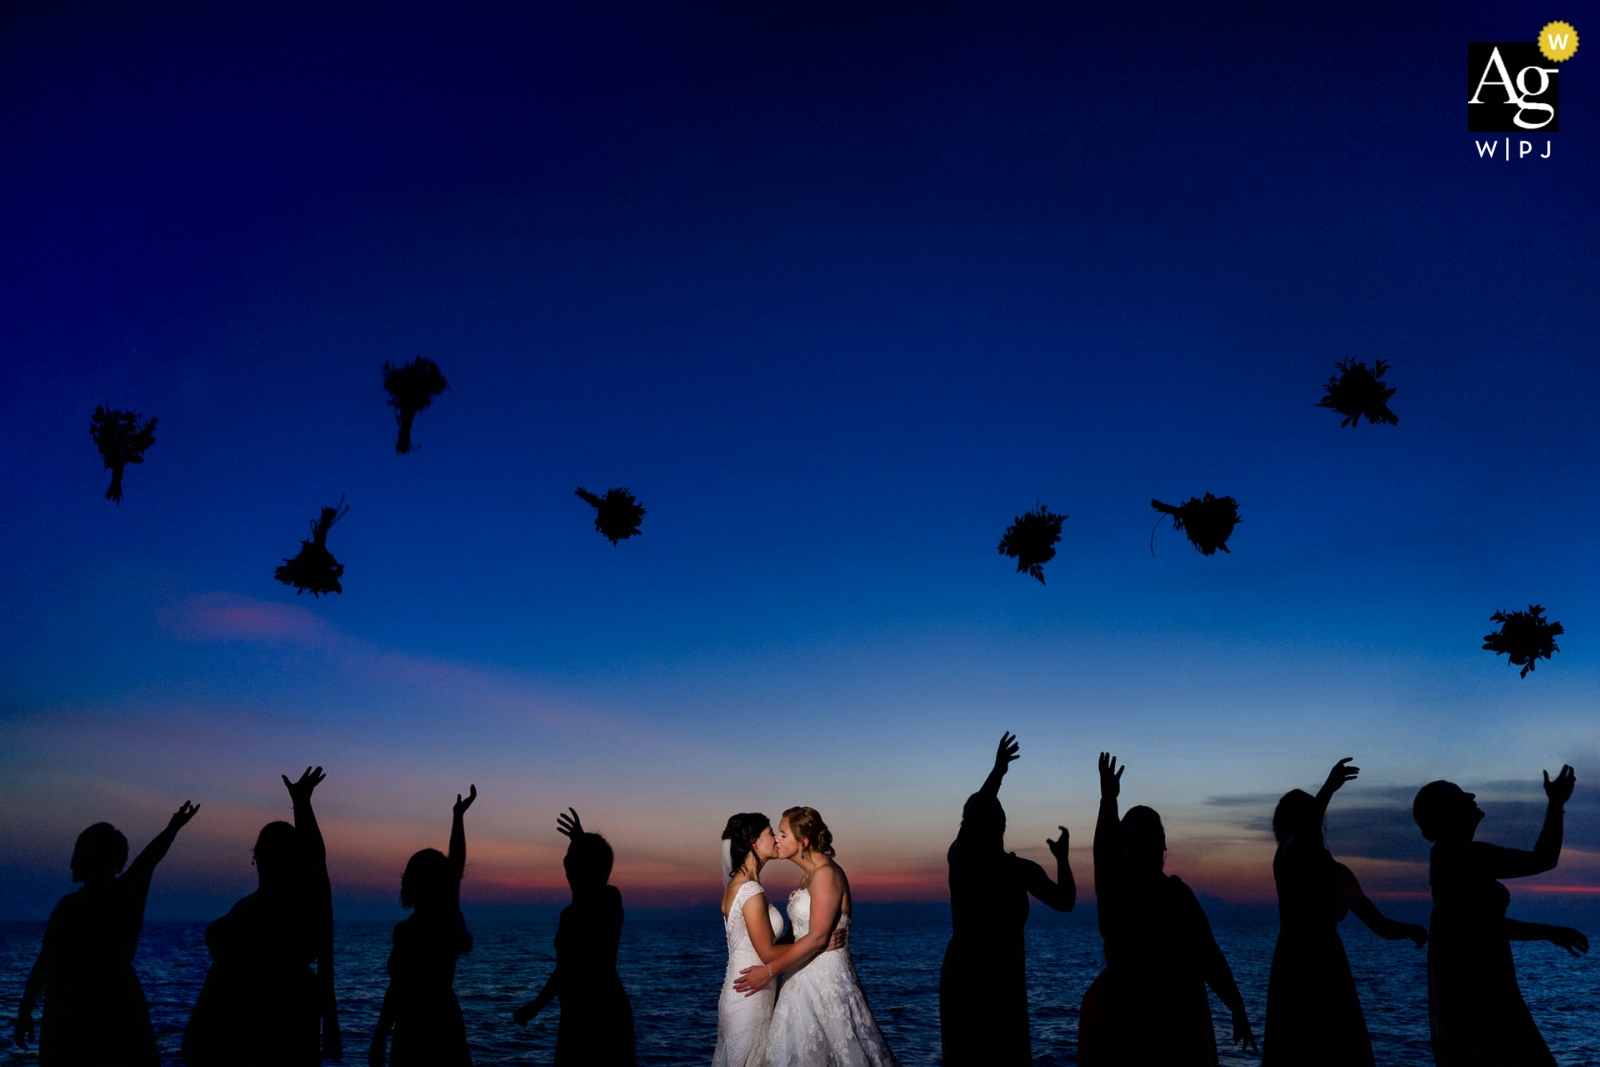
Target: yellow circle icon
(1557, 41)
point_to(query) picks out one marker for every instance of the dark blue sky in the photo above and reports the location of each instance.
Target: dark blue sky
(838, 290)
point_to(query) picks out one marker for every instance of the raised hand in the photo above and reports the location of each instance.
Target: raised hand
(1005, 753)
(1560, 790)
(1110, 776)
(461, 806)
(1058, 848)
(182, 816)
(300, 792)
(1568, 938)
(569, 825)
(1340, 774)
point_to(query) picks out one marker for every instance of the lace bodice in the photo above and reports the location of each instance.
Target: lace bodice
(822, 1018)
(734, 925)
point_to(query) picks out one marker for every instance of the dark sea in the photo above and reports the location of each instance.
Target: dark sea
(672, 965)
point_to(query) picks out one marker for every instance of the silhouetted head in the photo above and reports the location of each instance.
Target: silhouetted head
(425, 885)
(1144, 839)
(588, 861)
(983, 822)
(1291, 806)
(747, 832)
(802, 831)
(277, 852)
(1443, 811)
(100, 853)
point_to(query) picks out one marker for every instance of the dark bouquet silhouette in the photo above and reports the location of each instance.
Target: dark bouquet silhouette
(1356, 391)
(314, 570)
(411, 389)
(1208, 522)
(1524, 636)
(617, 514)
(1031, 540)
(121, 441)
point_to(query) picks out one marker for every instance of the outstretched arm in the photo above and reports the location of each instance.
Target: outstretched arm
(1317, 810)
(319, 894)
(551, 990)
(1560, 936)
(144, 864)
(1380, 924)
(1061, 894)
(458, 843)
(1514, 862)
(1004, 754)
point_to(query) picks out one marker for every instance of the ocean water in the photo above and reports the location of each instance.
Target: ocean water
(672, 968)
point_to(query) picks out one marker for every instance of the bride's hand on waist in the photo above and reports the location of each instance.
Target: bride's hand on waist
(752, 980)
(840, 939)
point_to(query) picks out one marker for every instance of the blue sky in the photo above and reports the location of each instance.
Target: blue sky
(838, 292)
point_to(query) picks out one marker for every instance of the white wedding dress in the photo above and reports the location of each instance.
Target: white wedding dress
(741, 1020)
(822, 1018)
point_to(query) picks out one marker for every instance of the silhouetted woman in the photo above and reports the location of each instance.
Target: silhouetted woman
(1475, 1010)
(983, 986)
(596, 1028)
(1149, 1007)
(94, 1010)
(420, 1005)
(261, 1003)
(1313, 1013)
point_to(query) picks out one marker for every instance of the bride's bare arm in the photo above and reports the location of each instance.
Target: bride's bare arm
(759, 926)
(827, 898)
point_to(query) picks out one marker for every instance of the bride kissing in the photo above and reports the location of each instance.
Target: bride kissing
(821, 1018)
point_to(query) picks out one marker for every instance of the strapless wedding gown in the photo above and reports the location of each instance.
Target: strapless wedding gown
(741, 1020)
(822, 1018)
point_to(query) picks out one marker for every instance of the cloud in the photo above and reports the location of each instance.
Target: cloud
(1380, 826)
(222, 616)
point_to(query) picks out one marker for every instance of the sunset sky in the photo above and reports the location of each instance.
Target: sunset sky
(838, 290)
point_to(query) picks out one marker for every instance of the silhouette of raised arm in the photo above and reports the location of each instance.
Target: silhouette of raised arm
(1108, 841)
(1003, 756)
(144, 864)
(319, 893)
(1503, 862)
(1311, 818)
(458, 842)
(1061, 894)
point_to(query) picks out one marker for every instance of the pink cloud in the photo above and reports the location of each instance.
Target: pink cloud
(231, 617)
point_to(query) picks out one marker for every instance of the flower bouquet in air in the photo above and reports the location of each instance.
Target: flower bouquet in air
(1356, 391)
(313, 569)
(617, 514)
(1524, 636)
(1208, 522)
(1031, 540)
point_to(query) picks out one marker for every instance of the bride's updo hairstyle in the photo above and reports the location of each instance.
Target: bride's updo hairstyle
(806, 825)
(741, 833)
